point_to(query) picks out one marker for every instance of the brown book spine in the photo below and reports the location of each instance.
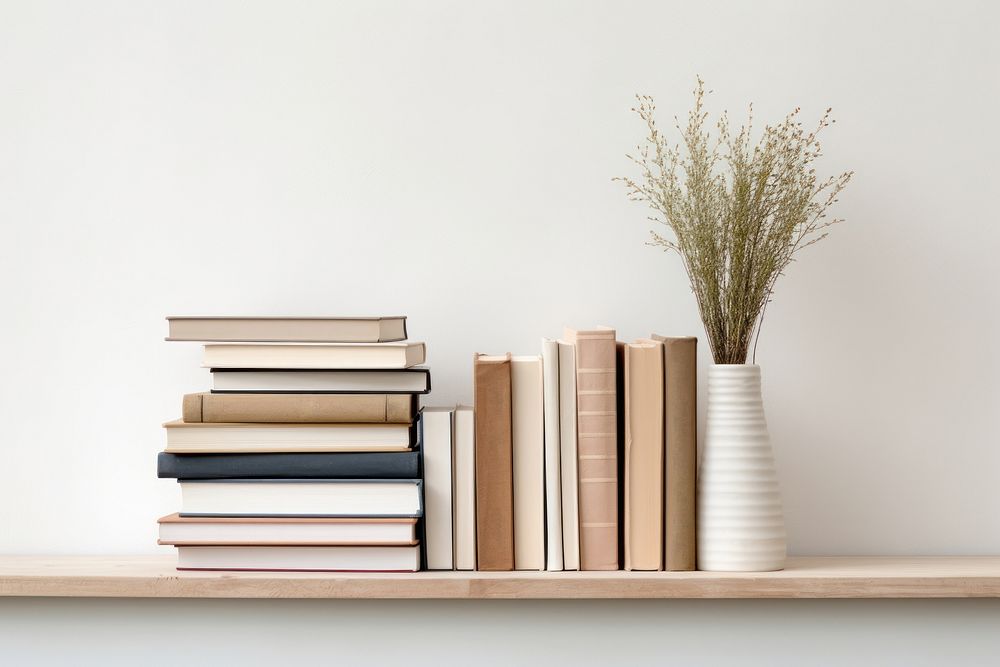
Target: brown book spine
(597, 433)
(494, 464)
(680, 357)
(299, 408)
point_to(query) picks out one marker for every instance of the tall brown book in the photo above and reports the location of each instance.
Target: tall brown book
(597, 436)
(680, 357)
(494, 464)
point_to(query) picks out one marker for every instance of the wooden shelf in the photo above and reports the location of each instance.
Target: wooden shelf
(835, 577)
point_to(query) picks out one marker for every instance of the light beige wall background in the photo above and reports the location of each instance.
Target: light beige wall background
(452, 161)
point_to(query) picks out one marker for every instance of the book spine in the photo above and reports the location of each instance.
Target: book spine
(465, 489)
(597, 436)
(553, 474)
(528, 441)
(568, 456)
(299, 408)
(340, 465)
(438, 438)
(494, 475)
(681, 404)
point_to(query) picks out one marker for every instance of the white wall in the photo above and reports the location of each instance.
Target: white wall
(452, 161)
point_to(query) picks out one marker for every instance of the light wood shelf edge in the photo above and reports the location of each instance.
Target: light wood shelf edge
(811, 577)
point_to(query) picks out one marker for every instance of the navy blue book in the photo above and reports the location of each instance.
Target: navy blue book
(333, 465)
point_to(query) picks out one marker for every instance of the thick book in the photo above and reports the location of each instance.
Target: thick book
(494, 465)
(301, 497)
(465, 488)
(215, 438)
(680, 358)
(528, 442)
(436, 425)
(568, 456)
(313, 355)
(553, 472)
(288, 329)
(325, 465)
(597, 437)
(643, 456)
(312, 381)
(180, 530)
(299, 408)
(300, 558)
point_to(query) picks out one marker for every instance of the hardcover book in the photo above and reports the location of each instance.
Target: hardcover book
(338, 465)
(528, 442)
(313, 355)
(300, 558)
(178, 530)
(437, 432)
(494, 467)
(465, 488)
(597, 439)
(288, 329)
(317, 381)
(214, 438)
(643, 457)
(299, 408)
(568, 456)
(553, 471)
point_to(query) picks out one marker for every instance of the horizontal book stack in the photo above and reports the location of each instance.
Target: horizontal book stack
(583, 457)
(305, 454)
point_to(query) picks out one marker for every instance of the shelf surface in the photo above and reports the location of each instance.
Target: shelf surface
(829, 577)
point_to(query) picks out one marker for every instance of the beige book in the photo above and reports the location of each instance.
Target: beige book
(241, 438)
(332, 356)
(288, 329)
(299, 408)
(553, 473)
(528, 441)
(568, 456)
(465, 488)
(643, 456)
(597, 445)
(438, 436)
(680, 360)
(494, 475)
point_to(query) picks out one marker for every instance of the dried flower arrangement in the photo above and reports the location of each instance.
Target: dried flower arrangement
(739, 212)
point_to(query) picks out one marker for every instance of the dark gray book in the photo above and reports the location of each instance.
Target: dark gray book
(340, 465)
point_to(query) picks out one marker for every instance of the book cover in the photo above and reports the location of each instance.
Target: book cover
(494, 465)
(299, 408)
(313, 355)
(528, 441)
(416, 380)
(568, 456)
(436, 427)
(465, 488)
(288, 329)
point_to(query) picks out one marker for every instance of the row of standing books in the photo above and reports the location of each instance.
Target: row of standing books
(581, 458)
(305, 453)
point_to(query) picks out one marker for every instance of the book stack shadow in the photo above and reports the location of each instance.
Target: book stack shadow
(305, 454)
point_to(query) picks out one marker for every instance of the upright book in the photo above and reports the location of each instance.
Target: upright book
(313, 355)
(553, 472)
(437, 429)
(597, 427)
(569, 483)
(528, 440)
(494, 465)
(643, 456)
(680, 357)
(288, 329)
(465, 488)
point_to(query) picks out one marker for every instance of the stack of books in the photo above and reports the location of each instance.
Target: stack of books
(305, 453)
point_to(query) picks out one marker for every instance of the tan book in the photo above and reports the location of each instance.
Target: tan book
(300, 408)
(494, 465)
(597, 445)
(288, 329)
(680, 357)
(643, 456)
(326, 356)
(528, 442)
(245, 437)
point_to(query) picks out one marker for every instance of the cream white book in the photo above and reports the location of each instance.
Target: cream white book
(553, 473)
(313, 355)
(436, 424)
(528, 440)
(301, 497)
(327, 531)
(568, 456)
(233, 438)
(288, 329)
(465, 488)
(313, 381)
(299, 558)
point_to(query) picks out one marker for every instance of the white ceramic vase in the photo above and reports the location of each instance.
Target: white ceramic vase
(741, 526)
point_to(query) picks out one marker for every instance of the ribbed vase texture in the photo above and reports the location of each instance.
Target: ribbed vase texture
(741, 526)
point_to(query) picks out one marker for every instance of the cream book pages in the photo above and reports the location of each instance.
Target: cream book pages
(437, 446)
(528, 453)
(553, 487)
(567, 456)
(465, 488)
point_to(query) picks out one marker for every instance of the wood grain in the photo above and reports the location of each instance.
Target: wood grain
(833, 577)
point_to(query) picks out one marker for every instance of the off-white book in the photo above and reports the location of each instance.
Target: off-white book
(553, 487)
(528, 438)
(231, 438)
(289, 329)
(300, 558)
(301, 497)
(465, 488)
(437, 448)
(287, 531)
(567, 456)
(313, 355)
